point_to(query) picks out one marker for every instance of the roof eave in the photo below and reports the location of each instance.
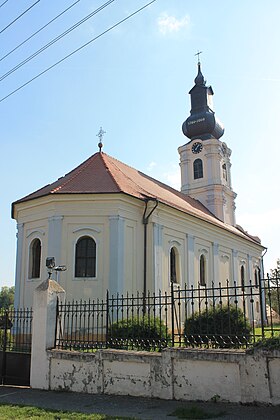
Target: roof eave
(242, 234)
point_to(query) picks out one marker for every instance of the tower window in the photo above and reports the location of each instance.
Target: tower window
(202, 270)
(224, 168)
(85, 258)
(34, 259)
(197, 169)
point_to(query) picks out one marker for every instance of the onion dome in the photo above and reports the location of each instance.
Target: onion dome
(199, 80)
(202, 123)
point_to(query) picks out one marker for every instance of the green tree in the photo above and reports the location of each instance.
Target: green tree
(275, 272)
(7, 296)
(273, 288)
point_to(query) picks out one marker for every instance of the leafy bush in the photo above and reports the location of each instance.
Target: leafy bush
(143, 333)
(222, 327)
(9, 340)
(271, 343)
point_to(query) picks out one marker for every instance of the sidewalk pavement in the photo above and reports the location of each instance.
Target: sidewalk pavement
(125, 406)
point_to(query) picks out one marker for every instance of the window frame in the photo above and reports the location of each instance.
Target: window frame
(197, 168)
(75, 268)
(202, 270)
(172, 262)
(257, 276)
(242, 277)
(174, 265)
(225, 172)
(35, 259)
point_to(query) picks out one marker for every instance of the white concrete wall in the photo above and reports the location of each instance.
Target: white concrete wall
(182, 374)
(176, 373)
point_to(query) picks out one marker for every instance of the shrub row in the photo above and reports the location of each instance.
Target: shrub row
(222, 327)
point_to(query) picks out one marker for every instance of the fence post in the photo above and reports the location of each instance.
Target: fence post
(45, 299)
(262, 303)
(172, 313)
(107, 317)
(3, 368)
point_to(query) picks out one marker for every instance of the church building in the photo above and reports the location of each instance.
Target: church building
(116, 228)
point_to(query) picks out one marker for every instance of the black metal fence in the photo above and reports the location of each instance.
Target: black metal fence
(15, 330)
(222, 316)
(15, 346)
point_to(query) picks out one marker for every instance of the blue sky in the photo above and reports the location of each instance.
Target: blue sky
(134, 82)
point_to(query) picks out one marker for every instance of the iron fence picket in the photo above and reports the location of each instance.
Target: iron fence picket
(15, 345)
(92, 325)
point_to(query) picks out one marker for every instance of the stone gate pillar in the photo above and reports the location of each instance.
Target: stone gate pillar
(45, 299)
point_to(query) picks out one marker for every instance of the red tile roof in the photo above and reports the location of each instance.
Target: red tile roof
(102, 173)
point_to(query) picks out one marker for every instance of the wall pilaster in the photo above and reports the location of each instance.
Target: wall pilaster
(190, 278)
(216, 276)
(55, 238)
(18, 280)
(158, 250)
(116, 260)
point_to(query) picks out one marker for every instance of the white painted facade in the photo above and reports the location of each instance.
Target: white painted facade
(115, 223)
(214, 189)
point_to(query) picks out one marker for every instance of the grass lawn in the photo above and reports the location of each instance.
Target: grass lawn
(15, 412)
(18, 412)
(195, 413)
(267, 331)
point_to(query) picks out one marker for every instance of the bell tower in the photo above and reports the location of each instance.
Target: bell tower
(205, 159)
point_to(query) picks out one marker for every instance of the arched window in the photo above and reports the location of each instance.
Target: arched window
(224, 168)
(174, 265)
(34, 259)
(242, 275)
(257, 277)
(85, 257)
(202, 270)
(197, 169)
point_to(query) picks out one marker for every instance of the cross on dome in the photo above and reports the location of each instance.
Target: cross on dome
(198, 58)
(100, 135)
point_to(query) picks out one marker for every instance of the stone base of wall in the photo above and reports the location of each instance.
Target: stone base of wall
(181, 374)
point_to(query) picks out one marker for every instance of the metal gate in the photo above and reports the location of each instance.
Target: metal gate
(15, 346)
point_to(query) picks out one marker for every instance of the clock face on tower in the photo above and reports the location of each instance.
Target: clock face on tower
(196, 147)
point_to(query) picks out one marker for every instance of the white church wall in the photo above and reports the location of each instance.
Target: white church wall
(225, 266)
(213, 189)
(74, 228)
(133, 252)
(32, 230)
(173, 239)
(116, 228)
(115, 223)
(203, 248)
(130, 257)
(157, 255)
(222, 250)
